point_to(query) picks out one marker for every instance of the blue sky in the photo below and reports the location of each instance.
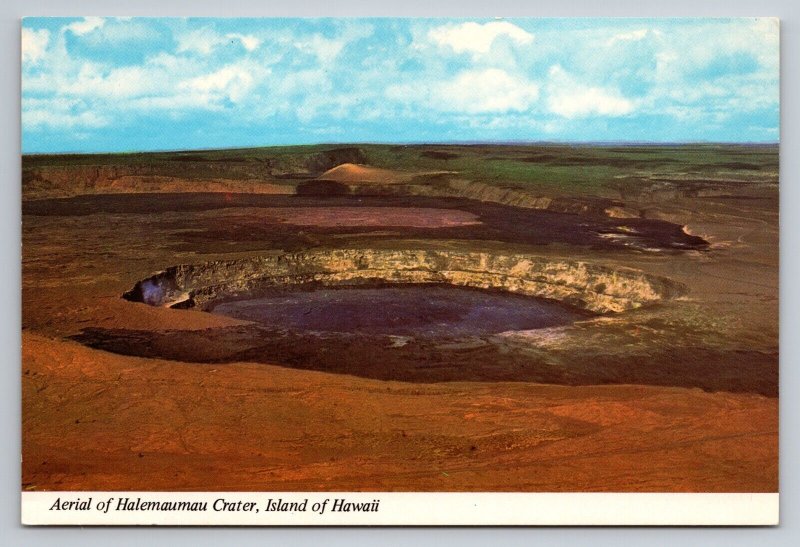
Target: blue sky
(124, 84)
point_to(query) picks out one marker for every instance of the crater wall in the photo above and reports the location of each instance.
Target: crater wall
(588, 286)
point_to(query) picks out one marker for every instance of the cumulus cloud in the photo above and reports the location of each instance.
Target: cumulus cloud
(249, 42)
(478, 38)
(34, 44)
(327, 50)
(398, 79)
(46, 117)
(632, 36)
(489, 90)
(119, 32)
(717, 67)
(205, 40)
(59, 113)
(571, 99)
(475, 91)
(202, 40)
(87, 25)
(589, 100)
(232, 82)
(123, 82)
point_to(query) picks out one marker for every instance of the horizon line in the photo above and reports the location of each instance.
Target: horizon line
(413, 143)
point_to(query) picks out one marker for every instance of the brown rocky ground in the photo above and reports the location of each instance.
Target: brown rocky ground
(677, 396)
(98, 421)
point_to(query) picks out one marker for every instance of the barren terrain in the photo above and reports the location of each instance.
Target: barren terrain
(663, 378)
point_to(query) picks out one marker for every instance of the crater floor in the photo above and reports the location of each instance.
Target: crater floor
(413, 311)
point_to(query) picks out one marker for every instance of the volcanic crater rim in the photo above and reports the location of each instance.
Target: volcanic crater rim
(584, 285)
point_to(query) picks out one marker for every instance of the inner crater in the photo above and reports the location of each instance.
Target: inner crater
(418, 311)
(251, 287)
(417, 315)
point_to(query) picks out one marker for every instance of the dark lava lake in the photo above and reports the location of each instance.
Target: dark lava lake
(412, 310)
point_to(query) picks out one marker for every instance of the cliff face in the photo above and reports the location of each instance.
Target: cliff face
(444, 186)
(586, 286)
(178, 172)
(267, 177)
(50, 182)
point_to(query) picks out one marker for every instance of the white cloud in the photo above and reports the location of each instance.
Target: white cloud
(119, 33)
(319, 72)
(301, 81)
(233, 82)
(91, 81)
(471, 92)
(60, 113)
(180, 103)
(571, 99)
(34, 44)
(205, 40)
(490, 90)
(202, 40)
(700, 92)
(175, 64)
(690, 51)
(632, 36)
(35, 119)
(249, 42)
(478, 38)
(326, 50)
(590, 100)
(704, 71)
(86, 26)
(336, 105)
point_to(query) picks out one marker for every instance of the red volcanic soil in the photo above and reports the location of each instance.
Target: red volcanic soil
(94, 420)
(410, 217)
(363, 174)
(349, 172)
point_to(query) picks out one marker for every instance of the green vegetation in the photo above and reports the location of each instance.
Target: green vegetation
(566, 168)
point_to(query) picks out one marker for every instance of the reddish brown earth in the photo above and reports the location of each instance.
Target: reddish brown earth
(99, 421)
(368, 216)
(364, 174)
(680, 396)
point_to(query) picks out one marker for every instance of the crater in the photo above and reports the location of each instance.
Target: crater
(420, 315)
(256, 222)
(580, 285)
(417, 311)
(404, 314)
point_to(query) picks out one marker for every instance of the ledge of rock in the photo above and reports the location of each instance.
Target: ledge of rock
(587, 286)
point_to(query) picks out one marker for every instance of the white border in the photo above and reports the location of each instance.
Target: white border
(420, 509)
(787, 534)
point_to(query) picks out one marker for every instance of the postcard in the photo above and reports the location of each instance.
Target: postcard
(399, 271)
